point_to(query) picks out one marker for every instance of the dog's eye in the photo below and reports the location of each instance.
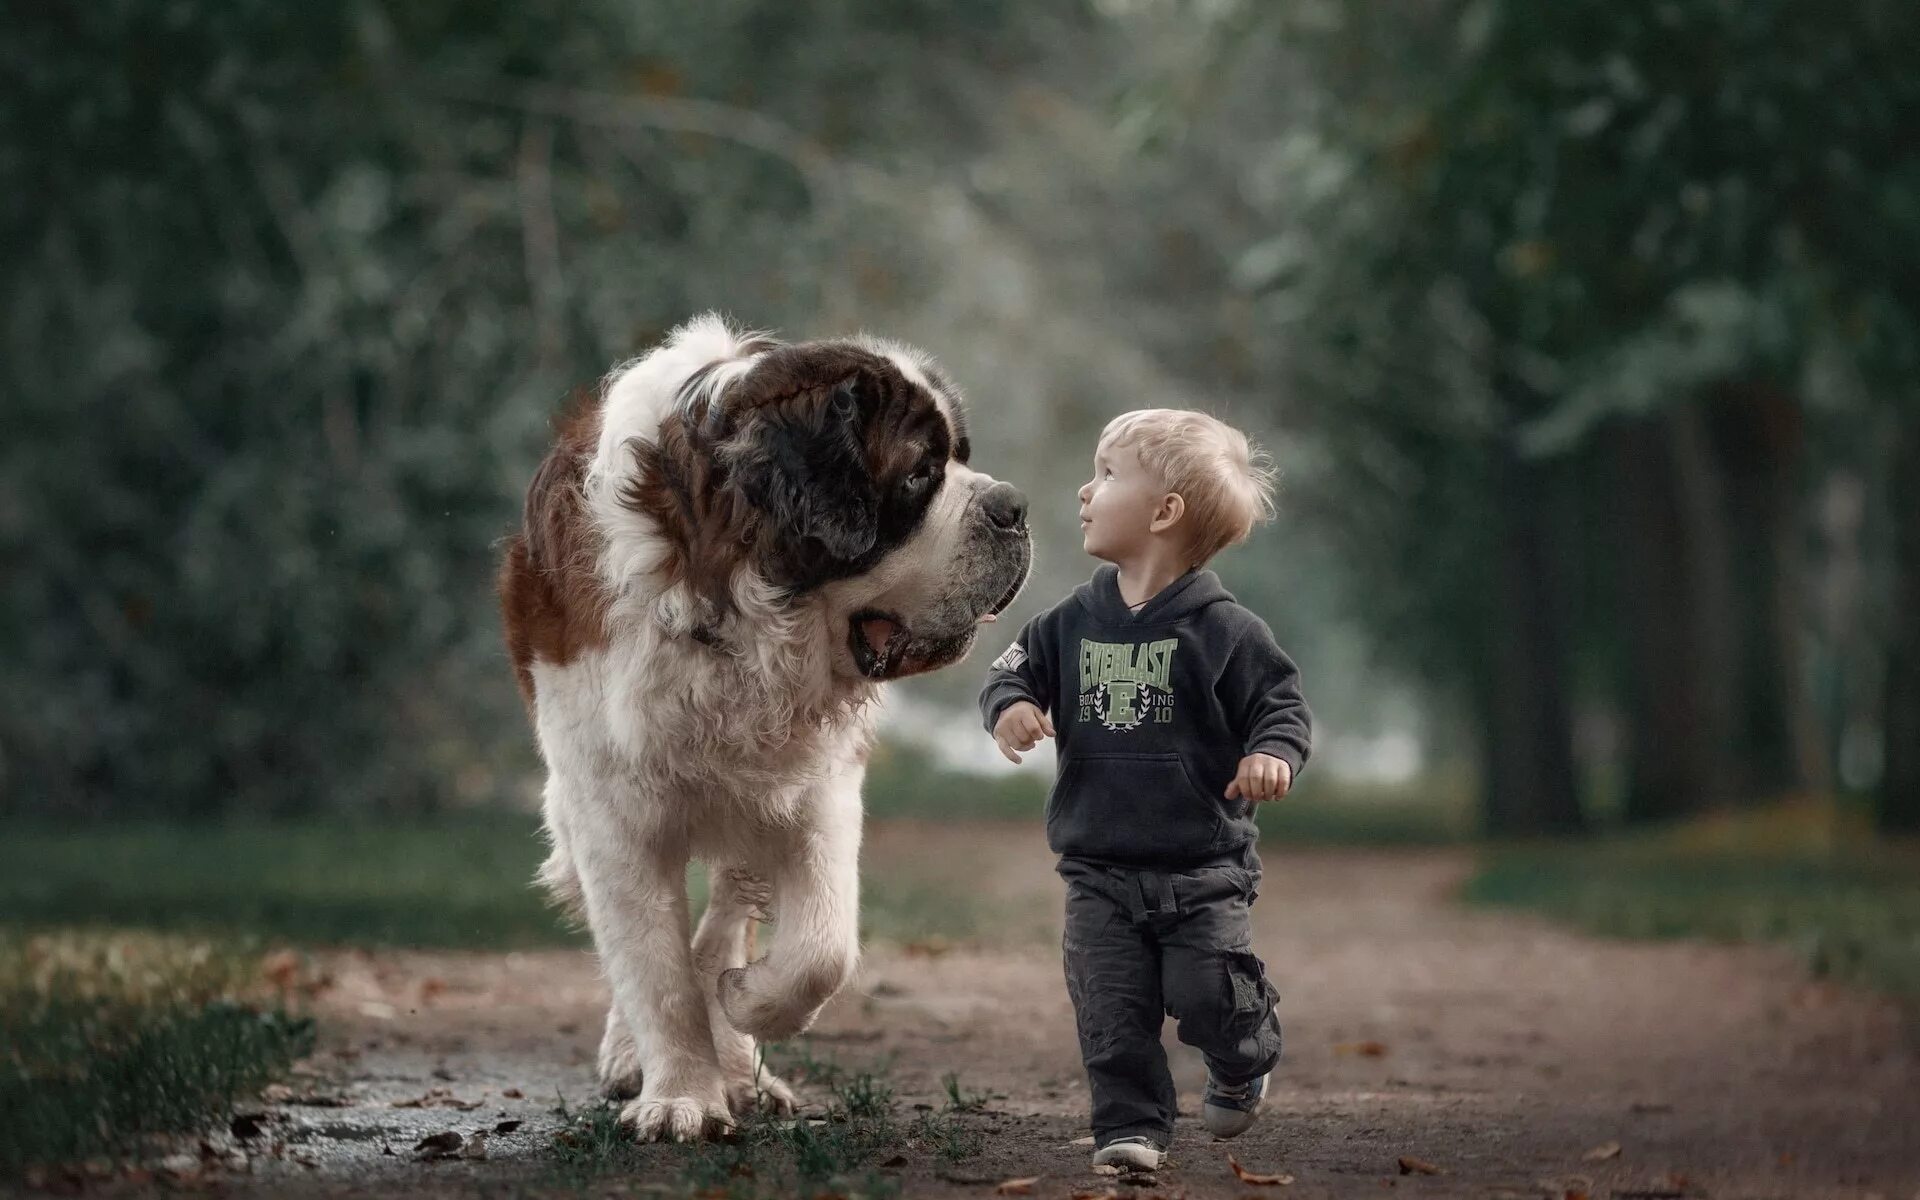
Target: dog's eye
(922, 475)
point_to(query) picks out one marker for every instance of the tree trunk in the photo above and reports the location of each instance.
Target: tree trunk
(1777, 748)
(1528, 729)
(1899, 800)
(1673, 602)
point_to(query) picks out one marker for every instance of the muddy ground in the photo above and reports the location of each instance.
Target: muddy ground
(1507, 1053)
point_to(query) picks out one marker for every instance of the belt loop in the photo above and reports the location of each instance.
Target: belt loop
(1168, 905)
(1129, 884)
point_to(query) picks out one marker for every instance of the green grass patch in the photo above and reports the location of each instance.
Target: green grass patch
(906, 781)
(460, 880)
(844, 1152)
(105, 1038)
(1849, 905)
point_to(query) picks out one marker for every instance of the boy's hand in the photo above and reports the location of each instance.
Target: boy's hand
(1261, 777)
(1020, 727)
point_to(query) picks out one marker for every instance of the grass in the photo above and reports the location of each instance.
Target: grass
(904, 781)
(461, 881)
(1801, 877)
(109, 1038)
(844, 1153)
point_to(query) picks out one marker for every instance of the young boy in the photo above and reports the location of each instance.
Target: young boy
(1176, 713)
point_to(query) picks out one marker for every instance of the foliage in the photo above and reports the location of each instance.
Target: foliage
(110, 1037)
(290, 298)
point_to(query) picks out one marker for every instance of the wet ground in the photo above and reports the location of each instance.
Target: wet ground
(1511, 1056)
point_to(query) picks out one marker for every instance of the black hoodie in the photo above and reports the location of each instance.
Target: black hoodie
(1153, 711)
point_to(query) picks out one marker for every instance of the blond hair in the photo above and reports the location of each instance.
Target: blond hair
(1225, 480)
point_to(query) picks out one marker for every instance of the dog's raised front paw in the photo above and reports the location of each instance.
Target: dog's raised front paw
(675, 1118)
(784, 1014)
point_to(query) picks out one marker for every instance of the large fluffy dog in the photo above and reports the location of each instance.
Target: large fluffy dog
(721, 560)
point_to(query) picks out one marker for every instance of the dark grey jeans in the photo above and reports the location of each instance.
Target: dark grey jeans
(1140, 943)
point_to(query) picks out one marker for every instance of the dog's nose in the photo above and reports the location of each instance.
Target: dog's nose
(1005, 505)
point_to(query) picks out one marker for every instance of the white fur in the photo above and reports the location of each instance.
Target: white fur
(660, 749)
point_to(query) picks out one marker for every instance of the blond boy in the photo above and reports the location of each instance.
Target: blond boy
(1175, 714)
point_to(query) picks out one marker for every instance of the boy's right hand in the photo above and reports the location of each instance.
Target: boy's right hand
(1020, 727)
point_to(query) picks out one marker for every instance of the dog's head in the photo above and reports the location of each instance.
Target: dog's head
(831, 474)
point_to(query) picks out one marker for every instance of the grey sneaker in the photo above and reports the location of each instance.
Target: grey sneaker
(1230, 1109)
(1129, 1154)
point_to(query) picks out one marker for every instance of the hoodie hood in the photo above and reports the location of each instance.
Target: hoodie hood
(1178, 600)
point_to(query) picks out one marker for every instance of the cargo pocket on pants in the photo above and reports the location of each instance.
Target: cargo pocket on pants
(1255, 1025)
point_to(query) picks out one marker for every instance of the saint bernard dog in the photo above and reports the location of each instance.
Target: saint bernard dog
(723, 557)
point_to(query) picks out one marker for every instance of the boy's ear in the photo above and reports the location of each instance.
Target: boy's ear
(1173, 506)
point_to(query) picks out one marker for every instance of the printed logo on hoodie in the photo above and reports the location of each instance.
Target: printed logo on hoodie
(1126, 684)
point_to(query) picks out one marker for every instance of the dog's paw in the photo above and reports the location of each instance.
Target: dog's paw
(767, 1093)
(675, 1119)
(787, 1012)
(619, 1069)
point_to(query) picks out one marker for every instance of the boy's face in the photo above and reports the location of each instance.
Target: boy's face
(1119, 504)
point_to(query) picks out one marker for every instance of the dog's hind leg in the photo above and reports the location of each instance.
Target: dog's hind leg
(620, 1077)
(722, 942)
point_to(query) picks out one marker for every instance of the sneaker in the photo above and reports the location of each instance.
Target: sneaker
(1129, 1154)
(1230, 1109)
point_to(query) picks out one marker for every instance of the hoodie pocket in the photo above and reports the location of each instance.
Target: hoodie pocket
(1131, 808)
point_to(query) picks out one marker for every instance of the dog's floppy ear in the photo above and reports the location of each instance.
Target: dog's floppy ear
(802, 464)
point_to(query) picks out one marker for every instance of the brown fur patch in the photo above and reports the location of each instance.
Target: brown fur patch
(551, 601)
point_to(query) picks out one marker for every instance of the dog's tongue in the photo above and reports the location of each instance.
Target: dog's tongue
(878, 631)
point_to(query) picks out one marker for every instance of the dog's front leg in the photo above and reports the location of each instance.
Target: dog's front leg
(817, 908)
(737, 899)
(637, 909)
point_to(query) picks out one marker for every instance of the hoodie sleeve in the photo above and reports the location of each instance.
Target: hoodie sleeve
(1262, 686)
(1024, 671)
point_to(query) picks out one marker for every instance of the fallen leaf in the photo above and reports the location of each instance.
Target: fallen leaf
(898, 1160)
(506, 1126)
(1016, 1187)
(439, 1145)
(281, 969)
(430, 988)
(1254, 1177)
(1363, 1049)
(514, 1094)
(1109, 1194)
(439, 1098)
(247, 1126)
(1418, 1166)
(1602, 1152)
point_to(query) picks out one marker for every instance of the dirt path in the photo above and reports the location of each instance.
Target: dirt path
(1498, 1048)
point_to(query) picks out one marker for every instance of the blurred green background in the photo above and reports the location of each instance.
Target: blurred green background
(1584, 334)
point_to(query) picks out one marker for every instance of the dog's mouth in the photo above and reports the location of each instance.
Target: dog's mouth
(878, 641)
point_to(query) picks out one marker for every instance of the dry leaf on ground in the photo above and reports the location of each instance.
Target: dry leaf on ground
(439, 1145)
(1418, 1166)
(1016, 1187)
(1109, 1194)
(1602, 1152)
(1255, 1177)
(1368, 1049)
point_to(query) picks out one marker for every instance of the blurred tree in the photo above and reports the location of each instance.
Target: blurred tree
(1550, 280)
(290, 292)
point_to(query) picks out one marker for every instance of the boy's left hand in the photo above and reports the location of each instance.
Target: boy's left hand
(1261, 777)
